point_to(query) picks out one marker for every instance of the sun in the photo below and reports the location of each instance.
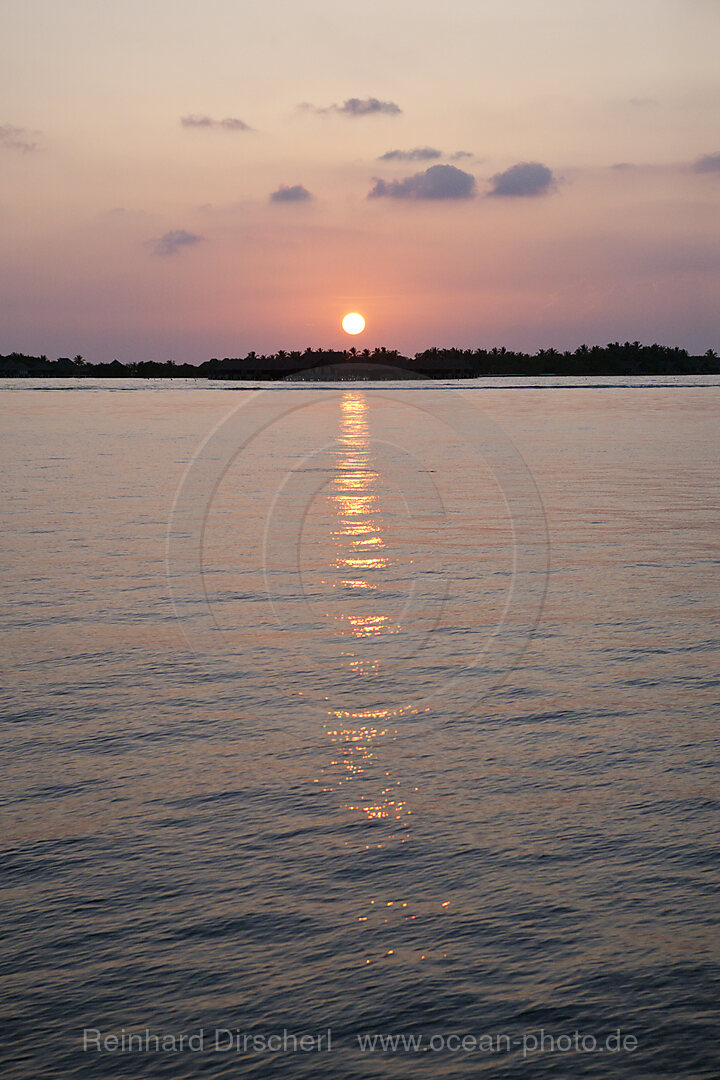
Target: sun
(353, 323)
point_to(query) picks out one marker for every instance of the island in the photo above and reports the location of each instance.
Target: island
(615, 358)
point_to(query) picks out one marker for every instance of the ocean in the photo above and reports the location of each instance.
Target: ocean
(360, 730)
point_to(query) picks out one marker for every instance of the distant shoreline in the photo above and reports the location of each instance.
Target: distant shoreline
(312, 365)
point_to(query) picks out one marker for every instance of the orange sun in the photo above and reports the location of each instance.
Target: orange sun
(353, 323)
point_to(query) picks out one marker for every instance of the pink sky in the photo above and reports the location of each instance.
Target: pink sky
(128, 233)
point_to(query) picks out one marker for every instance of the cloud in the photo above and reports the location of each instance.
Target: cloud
(230, 123)
(423, 153)
(524, 179)
(437, 182)
(354, 107)
(295, 193)
(173, 241)
(16, 138)
(420, 153)
(197, 121)
(367, 107)
(709, 163)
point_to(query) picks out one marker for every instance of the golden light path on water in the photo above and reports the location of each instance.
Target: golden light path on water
(360, 769)
(357, 534)
(360, 557)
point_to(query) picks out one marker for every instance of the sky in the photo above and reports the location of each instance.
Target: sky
(182, 180)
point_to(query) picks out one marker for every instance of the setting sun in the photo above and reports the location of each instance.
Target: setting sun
(353, 323)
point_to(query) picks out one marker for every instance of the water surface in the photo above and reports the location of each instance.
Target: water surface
(342, 818)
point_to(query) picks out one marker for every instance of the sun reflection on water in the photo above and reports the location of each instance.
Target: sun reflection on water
(358, 743)
(359, 543)
(360, 769)
(360, 557)
(359, 773)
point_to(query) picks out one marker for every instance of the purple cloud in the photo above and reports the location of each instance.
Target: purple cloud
(172, 242)
(16, 138)
(294, 193)
(355, 107)
(527, 178)
(709, 163)
(420, 153)
(437, 182)
(230, 123)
